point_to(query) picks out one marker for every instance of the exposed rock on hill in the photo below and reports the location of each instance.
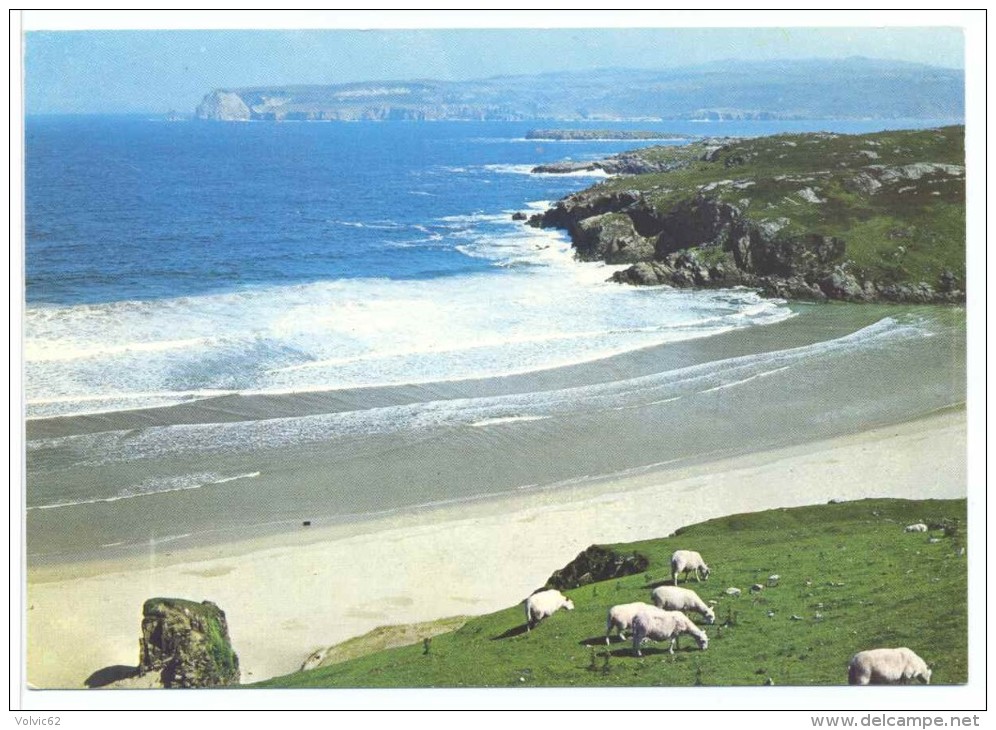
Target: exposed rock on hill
(596, 563)
(797, 216)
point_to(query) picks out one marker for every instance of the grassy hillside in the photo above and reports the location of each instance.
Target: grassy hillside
(850, 579)
(899, 223)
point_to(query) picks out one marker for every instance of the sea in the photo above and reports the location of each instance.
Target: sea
(239, 327)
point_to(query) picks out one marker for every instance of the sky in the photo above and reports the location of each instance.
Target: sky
(133, 71)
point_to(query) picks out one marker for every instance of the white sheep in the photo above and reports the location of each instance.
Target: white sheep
(918, 527)
(621, 618)
(887, 666)
(659, 625)
(672, 598)
(543, 604)
(687, 561)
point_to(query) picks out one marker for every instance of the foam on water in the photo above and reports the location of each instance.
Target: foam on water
(707, 380)
(534, 308)
(153, 487)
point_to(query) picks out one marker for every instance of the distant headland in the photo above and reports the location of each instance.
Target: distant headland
(851, 88)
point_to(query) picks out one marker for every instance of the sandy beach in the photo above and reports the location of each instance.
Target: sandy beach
(288, 594)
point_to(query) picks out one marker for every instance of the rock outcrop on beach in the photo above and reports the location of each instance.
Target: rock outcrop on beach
(187, 644)
(184, 645)
(595, 564)
(853, 88)
(876, 217)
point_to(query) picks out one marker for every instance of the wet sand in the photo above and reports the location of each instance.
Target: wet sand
(287, 594)
(222, 470)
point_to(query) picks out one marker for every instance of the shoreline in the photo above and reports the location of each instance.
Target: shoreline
(287, 594)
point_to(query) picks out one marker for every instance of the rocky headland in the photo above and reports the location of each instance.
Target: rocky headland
(874, 217)
(803, 89)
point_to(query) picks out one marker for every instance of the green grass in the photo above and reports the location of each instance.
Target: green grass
(850, 573)
(219, 648)
(906, 231)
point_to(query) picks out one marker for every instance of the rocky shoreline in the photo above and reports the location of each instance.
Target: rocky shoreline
(599, 134)
(690, 216)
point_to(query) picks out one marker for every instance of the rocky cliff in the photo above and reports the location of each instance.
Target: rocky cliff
(813, 216)
(224, 106)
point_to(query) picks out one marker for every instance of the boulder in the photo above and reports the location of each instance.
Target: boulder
(794, 287)
(840, 284)
(187, 644)
(641, 274)
(595, 564)
(610, 237)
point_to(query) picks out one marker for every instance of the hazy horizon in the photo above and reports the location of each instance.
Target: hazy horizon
(106, 72)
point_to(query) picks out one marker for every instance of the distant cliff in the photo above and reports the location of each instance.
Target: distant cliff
(874, 217)
(857, 88)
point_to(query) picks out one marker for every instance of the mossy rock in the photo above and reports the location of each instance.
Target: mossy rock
(187, 643)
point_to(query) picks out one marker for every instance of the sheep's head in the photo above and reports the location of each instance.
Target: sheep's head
(703, 642)
(704, 572)
(710, 616)
(569, 604)
(925, 676)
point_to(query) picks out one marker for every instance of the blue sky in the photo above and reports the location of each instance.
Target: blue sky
(157, 71)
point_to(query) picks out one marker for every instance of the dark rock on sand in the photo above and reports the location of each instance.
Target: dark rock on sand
(187, 644)
(595, 564)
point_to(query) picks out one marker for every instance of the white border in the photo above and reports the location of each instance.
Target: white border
(829, 699)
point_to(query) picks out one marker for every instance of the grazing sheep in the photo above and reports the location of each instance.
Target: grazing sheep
(887, 666)
(687, 561)
(918, 527)
(659, 625)
(621, 618)
(543, 604)
(672, 598)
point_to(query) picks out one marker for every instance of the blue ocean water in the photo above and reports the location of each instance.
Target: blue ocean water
(173, 261)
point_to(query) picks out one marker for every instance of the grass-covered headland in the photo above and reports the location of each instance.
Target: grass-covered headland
(810, 216)
(849, 578)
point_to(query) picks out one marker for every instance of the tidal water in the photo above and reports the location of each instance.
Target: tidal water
(233, 327)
